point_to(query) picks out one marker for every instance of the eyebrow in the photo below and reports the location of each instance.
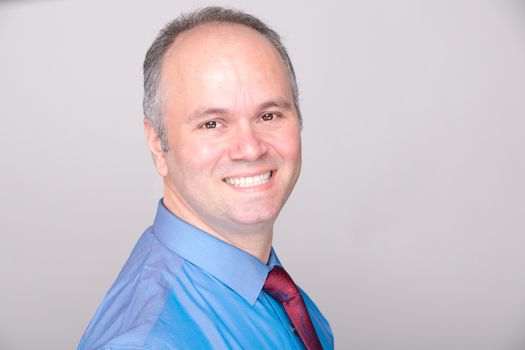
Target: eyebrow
(202, 112)
(278, 103)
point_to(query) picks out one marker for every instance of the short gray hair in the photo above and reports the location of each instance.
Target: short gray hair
(153, 103)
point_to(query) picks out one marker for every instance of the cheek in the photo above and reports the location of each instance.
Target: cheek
(208, 151)
(289, 145)
(198, 158)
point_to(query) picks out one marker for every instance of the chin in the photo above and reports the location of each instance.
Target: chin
(256, 216)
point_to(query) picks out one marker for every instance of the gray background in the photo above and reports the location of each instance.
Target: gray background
(410, 210)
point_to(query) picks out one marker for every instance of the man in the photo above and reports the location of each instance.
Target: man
(223, 126)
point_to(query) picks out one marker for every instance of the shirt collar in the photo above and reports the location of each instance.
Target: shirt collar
(240, 271)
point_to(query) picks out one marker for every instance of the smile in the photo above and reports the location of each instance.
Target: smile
(250, 181)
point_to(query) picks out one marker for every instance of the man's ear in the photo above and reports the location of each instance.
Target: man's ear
(155, 147)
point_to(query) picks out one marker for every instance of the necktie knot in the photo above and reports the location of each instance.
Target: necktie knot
(280, 285)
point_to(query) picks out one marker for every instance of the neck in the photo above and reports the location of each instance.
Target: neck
(258, 245)
(254, 239)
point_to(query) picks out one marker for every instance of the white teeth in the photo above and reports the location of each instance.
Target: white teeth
(249, 181)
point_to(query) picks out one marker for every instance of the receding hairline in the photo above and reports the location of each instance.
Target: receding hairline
(174, 48)
(207, 28)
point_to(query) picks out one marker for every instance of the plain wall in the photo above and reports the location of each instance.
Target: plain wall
(407, 226)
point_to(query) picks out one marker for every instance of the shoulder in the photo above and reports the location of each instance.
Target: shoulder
(132, 305)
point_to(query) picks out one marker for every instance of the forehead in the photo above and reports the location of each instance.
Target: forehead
(225, 49)
(219, 38)
(220, 33)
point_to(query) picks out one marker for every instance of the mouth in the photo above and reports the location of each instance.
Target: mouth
(249, 181)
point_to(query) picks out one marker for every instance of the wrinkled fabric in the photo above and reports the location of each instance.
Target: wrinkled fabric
(182, 288)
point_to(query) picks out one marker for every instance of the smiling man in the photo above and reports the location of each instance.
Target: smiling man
(223, 126)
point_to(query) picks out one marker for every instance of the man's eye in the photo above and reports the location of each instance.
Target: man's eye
(211, 124)
(268, 116)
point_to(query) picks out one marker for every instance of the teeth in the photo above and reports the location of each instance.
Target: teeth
(249, 181)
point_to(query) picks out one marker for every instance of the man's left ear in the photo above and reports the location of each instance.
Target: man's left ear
(155, 147)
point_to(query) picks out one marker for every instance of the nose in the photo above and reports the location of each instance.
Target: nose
(246, 144)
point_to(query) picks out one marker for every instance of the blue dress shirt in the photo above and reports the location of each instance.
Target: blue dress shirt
(182, 288)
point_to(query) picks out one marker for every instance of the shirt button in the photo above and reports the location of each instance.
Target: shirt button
(294, 330)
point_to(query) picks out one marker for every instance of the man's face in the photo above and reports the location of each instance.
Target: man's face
(233, 131)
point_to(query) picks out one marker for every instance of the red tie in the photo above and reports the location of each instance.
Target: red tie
(281, 287)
